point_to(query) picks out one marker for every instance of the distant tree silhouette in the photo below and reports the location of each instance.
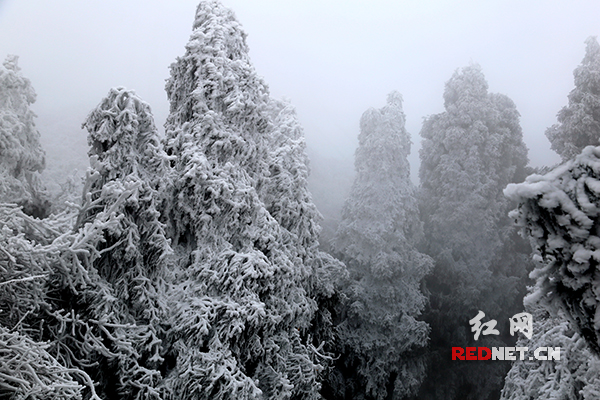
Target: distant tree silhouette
(21, 155)
(579, 122)
(469, 154)
(380, 332)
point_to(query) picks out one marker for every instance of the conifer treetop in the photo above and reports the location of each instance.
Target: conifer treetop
(19, 139)
(123, 137)
(466, 84)
(21, 155)
(215, 76)
(579, 122)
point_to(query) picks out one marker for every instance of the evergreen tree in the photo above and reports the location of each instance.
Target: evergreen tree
(284, 192)
(579, 122)
(376, 239)
(469, 154)
(128, 171)
(559, 212)
(243, 227)
(21, 155)
(88, 302)
(108, 317)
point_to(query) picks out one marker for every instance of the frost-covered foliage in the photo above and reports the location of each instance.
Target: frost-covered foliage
(284, 192)
(244, 228)
(21, 155)
(70, 322)
(576, 376)
(469, 154)
(376, 238)
(119, 218)
(128, 171)
(29, 372)
(83, 296)
(559, 212)
(36, 258)
(579, 122)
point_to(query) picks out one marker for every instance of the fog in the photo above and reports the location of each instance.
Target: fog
(196, 269)
(332, 59)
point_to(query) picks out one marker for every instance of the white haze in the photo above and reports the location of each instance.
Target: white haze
(332, 59)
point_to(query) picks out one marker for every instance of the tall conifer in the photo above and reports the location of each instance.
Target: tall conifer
(21, 155)
(470, 153)
(579, 122)
(243, 226)
(377, 239)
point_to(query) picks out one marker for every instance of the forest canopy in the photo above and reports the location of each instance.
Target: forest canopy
(192, 265)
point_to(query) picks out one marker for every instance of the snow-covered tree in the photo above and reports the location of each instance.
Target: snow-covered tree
(21, 155)
(129, 168)
(80, 302)
(243, 227)
(559, 212)
(109, 320)
(85, 296)
(377, 238)
(30, 262)
(469, 154)
(579, 122)
(576, 376)
(284, 192)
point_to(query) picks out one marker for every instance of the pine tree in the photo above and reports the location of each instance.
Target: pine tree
(89, 301)
(109, 302)
(128, 171)
(579, 122)
(243, 227)
(284, 192)
(376, 239)
(469, 154)
(21, 155)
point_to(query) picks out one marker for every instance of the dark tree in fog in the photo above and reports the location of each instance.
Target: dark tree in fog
(243, 226)
(469, 154)
(21, 155)
(579, 122)
(380, 332)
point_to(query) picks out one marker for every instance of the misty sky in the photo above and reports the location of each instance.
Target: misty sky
(332, 59)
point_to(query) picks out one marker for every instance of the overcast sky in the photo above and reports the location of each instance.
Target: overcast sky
(332, 59)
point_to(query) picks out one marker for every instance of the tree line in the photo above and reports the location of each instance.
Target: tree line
(190, 266)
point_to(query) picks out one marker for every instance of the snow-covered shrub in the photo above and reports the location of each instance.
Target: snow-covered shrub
(31, 366)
